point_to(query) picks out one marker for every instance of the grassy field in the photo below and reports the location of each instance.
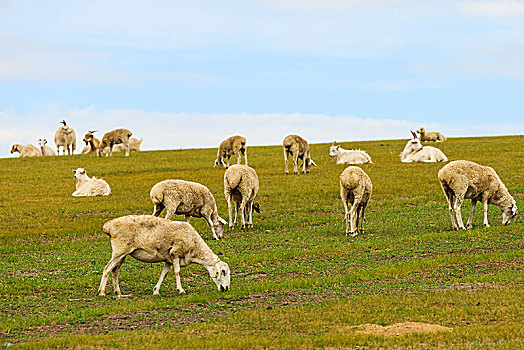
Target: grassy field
(296, 280)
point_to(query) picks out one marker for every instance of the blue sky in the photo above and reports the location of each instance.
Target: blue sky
(191, 73)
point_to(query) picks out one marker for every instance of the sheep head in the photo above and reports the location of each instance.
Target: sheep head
(15, 148)
(221, 275)
(42, 142)
(333, 150)
(79, 173)
(256, 207)
(509, 213)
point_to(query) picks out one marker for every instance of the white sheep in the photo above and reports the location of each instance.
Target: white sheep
(241, 187)
(415, 152)
(44, 148)
(355, 191)
(65, 137)
(26, 150)
(298, 148)
(92, 143)
(151, 239)
(87, 187)
(234, 145)
(187, 198)
(112, 138)
(354, 156)
(468, 180)
(134, 145)
(430, 135)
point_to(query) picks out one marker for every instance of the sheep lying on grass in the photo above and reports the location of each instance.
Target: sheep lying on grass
(88, 187)
(26, 150)
(354, 156)
(65, 137)
(235, 145)
(467, 180)
(355, 191)
(241, 186)
(92, 143)
(298, 148)
(151, 239)
(134, 145)
(113, 138)
(415, 152)
(430, 135)
(189, 199)
(44, 148)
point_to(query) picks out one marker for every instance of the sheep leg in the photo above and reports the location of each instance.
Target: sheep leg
(458, 204)
(243, 213)
(169, 214)
(285, 160)
(362, 217)
(114, 275)
(165, 270)
(176, 266)
(244, 152)
(449, 196)
(230, 210)
(127, 149)
(344, 195)
(239, 157)
(228, 158)
(210, 224)
(158, 209)
(115, 260)
(237, 209)
(473, 207)
(485, 211)
(354, 216)
(188, 217)
(295, 163)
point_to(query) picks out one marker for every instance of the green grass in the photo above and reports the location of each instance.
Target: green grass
(297, 280)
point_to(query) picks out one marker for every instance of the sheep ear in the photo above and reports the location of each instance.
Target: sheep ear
(222, 221)
(414, 135)
(74, 170)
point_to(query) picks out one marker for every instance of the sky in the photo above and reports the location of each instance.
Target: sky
(188, 74)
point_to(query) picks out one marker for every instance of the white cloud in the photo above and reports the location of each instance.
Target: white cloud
(493, 8)
(26, 60)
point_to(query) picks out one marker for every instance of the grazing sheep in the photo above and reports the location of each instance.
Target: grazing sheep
(354, 156)
(46, 150)
(430, 135)
(298, 148)
(241, 186)
(235, 145)
(415, 152)
(189, 199)
(113, 138)
(88, 187)
(134, 145)
(355, 191)
(467, 180)
(92, 143)
(26, 150)
(151, 239)
(65, 137)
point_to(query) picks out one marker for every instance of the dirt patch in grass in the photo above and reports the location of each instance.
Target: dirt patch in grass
(398, 329)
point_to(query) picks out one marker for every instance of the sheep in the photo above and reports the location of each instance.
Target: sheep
(298, 148)
(468, 180)
(151, 239)
(354, 156)
(92, 143)
(430, 135)
(134, 145)
(112, 138)
(46, 150)
(241, 186)
(355, 191)
(65, 137)
(26, 150)
(415, 152)
(88, 187)
(189, 199)
(235, 145)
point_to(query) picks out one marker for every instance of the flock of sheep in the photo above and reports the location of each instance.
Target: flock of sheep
(149, 238)
(118, 140)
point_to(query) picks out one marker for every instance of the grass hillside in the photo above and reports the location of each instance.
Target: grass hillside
(296, 280)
